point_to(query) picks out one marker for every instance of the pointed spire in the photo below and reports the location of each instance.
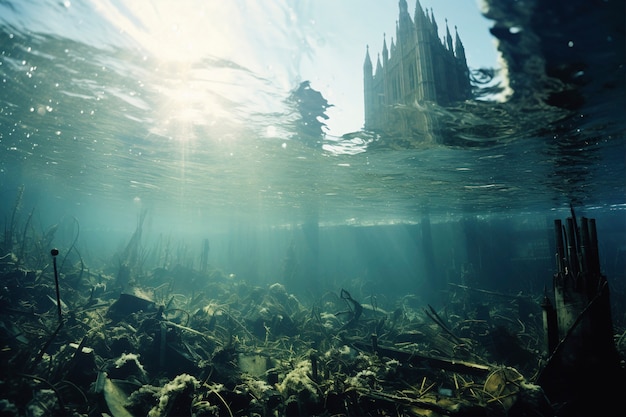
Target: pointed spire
(449, 38)
(434, 22)
(404, 19)
(418, 9)
(367, 65)
(404, 8)
(385, 50)
(459, 49)
(379, 67)
(420, 15)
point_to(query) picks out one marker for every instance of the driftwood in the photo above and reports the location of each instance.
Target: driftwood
(429, 361)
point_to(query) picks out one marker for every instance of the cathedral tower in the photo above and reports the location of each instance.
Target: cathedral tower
(417, 68)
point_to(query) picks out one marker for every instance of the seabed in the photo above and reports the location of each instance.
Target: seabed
(176, 341)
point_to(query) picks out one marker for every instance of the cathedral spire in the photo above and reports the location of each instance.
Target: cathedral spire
(418, 7)
(379, 67)
(421, 18)
(404, 8)
(448, 38)
(419, 13)
(459, 49)
(434, 22)
(459, 53)
(404, 20)
(385, 50)
(367, 65)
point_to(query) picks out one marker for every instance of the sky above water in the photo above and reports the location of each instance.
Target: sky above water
(184, 105)
(286, 42)
(347, 27)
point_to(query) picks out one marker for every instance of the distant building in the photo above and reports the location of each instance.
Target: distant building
(417, 68)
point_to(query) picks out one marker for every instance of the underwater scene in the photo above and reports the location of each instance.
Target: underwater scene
(411, 208)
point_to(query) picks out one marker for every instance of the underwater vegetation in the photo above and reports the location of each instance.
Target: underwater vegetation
(130, 339)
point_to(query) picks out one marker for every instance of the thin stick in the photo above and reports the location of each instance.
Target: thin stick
(54, 253)
(48, 343)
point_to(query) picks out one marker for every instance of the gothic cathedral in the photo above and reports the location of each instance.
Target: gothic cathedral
(417, 68)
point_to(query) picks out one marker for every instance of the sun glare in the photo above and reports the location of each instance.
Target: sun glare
(181, 40)
(209, 59)
(174, 30)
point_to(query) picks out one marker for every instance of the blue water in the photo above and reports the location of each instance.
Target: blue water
(101, 119)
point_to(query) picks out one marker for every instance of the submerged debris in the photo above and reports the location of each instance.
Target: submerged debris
(222, 347)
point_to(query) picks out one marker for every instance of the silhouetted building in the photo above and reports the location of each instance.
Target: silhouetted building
(417, 68)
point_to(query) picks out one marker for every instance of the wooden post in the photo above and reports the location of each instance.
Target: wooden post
(585, 350)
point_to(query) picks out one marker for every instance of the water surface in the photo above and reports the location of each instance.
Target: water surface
(109, 108)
